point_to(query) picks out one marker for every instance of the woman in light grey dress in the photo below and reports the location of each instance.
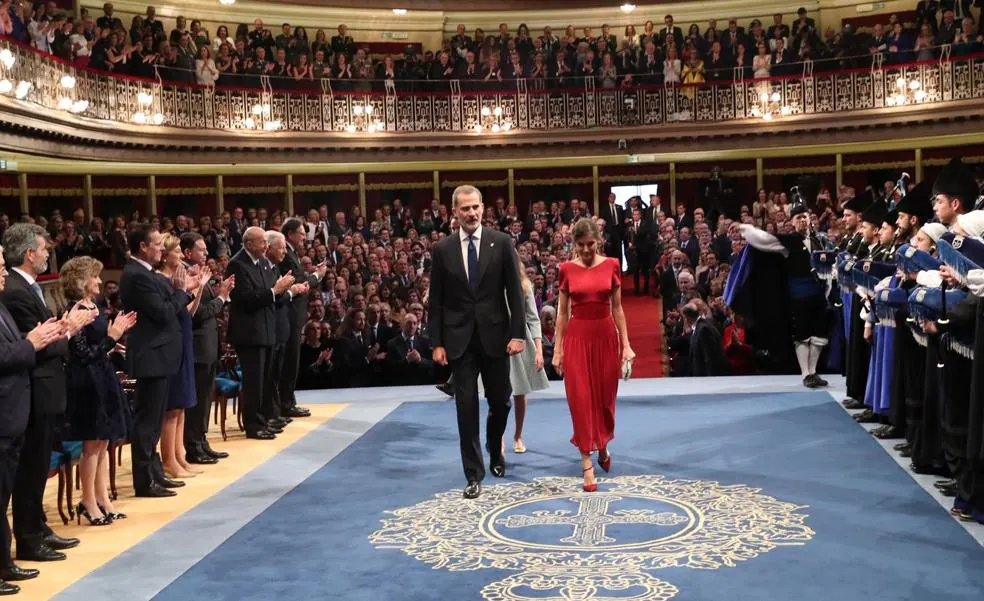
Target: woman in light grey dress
(526, 373)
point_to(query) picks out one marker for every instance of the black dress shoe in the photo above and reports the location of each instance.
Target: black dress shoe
(888, 432)
(278, 422)
(274, 429)
(8, 589)
(902, 446)
(473, 490)
(809, 382)
(446, 388)
(945, 483)
(867, 417)
(169, 483)
(41, 552)
(948, 491)
(298, 412)
(820, 382)
(852, 404)
(213, 453)
(60, 544)
(14, 574)
(906, 452)
(941, 471)
(498, 467)
(155, 490)
(201, 459)
(261, 435)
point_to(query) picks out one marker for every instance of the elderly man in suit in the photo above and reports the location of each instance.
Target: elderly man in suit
(293, 231)
(408, 355)
(274, 405)
(477, 321)
(706, 351)
(205, 333)
(153, 351)
(18, 356)
(253, 326)
(26, 250)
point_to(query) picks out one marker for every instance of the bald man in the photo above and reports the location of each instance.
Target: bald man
(253, 326)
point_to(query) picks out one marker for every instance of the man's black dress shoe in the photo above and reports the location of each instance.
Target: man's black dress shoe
(155, 490)
(867, 417)
(8, 589)
(169, 483)
(852, 404)
(277, 422)
(948, 491)
(820, 382)
(498, 467)
(296, 411)
(60, 544)
(888, 432)
(14, 573)
(945, 483)
(41, 552)
(201, 458)
(941, 471)
(906, 452)
(446, 388)
(261, 435)
(809, 382)
(213, 453)
(473, 490)
(902, 446)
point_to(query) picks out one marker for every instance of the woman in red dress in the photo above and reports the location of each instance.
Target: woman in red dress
(591, 344)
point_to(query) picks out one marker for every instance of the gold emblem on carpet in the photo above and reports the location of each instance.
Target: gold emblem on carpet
(567, 545)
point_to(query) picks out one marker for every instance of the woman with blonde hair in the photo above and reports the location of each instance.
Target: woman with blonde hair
(181, 391)
(98, 412)
(526, 373)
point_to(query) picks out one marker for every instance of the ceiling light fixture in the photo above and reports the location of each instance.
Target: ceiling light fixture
(227, 2)
(399, 11)
(628, 7)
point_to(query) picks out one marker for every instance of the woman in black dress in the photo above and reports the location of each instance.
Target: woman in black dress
(98, 411)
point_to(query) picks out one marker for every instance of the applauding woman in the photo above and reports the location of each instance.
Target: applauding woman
(98, 412)
(591, 345)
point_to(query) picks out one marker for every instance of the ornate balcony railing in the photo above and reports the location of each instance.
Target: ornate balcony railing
(522, 106)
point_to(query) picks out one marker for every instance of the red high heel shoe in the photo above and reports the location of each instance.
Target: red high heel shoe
(590, 487)
(606, 463)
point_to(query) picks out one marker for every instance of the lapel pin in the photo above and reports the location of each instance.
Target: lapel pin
(491, 244)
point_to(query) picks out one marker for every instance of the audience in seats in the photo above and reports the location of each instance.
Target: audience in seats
(189, 53)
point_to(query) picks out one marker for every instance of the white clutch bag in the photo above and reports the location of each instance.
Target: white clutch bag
(626, 369)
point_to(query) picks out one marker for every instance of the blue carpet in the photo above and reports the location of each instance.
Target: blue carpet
(835, 517)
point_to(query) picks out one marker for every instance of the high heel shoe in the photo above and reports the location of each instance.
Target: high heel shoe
(606, 463)
(82, 512)
(114, 515)
(590, 487)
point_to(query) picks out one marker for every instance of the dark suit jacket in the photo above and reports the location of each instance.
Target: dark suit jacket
(154, 343)
(204, 329)
(381, 335)
(401, 370)
(706, 353)
(692, 249)
(299, 304)
(17, 358)
(614, 226)
(456, 311)
(252, 306)
(48, 393)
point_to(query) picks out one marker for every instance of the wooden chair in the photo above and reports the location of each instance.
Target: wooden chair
(116, 446)
(222, 392)
(63, 463)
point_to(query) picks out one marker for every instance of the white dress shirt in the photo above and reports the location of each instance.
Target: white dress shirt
(463, 236)
(145, 264)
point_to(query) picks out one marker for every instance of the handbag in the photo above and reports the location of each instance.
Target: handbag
(626, 369)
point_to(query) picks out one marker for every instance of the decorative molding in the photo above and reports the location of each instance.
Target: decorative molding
(400, 186)
(248, 190)
(326, 187)
(484, 183)
(553, 181)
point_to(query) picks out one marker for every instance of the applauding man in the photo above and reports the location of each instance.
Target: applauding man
(253, 325)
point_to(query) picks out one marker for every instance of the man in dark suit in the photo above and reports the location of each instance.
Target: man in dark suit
(153, 352)
(18, 356)
(274, 408)
(253, 326)
(669, 283)
(409, 355)
(637, 235)
(689, 246)
(732, 36)
(669, 31)
(293, 232)
(205, 332)
(26, 250)
(343, 42)
(706, 352)
(614, 216)
(477, 319)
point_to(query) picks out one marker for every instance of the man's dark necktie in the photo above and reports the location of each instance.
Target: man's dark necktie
(472, 263)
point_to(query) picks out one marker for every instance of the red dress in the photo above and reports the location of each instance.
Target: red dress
(592, 352)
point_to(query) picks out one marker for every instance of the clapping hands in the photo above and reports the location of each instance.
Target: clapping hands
(78, 318)
(122, 323)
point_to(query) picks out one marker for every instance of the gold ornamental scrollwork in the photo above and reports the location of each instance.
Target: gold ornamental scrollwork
(563, 544)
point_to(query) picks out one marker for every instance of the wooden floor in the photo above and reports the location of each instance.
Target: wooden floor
(145, 516)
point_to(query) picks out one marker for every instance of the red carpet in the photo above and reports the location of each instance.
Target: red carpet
(643, 316)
